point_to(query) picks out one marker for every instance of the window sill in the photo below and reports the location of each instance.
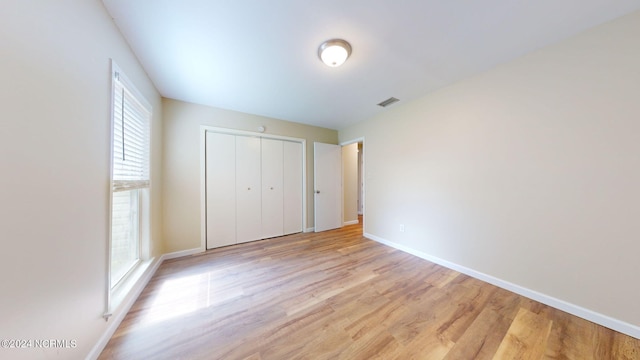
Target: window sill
(124, 291)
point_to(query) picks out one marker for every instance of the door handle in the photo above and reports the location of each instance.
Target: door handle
(317, 191)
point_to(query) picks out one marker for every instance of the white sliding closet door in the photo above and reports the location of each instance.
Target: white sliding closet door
(254, 187)
(220, 189)
(292, 184)
(272, 188)
(248, 184)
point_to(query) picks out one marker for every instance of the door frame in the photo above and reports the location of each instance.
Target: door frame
(203, 173)
(364, 155)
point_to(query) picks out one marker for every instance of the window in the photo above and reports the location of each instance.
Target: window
(130, 175)
(125, 233)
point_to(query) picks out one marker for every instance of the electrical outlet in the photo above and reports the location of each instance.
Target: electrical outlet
(401, 227)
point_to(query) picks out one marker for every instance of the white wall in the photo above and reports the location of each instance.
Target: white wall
(181, 193)
(529, 172)
(55, 98)
(350, 183)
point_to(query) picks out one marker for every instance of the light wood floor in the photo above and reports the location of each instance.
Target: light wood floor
(337, 295)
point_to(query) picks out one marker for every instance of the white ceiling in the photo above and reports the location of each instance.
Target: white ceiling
(260, 57)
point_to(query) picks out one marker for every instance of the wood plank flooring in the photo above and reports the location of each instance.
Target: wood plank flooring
(338, 295)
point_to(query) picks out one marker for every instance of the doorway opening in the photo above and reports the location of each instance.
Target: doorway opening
(353, 184)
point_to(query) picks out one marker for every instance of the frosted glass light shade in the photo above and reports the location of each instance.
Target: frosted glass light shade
(334, 52)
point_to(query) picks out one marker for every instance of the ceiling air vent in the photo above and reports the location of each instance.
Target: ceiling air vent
(388, 102)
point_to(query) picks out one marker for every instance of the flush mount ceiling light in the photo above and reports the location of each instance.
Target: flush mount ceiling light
(334, 52)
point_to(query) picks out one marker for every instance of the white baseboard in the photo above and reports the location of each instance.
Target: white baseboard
(590, 315)
(311, 229)
(123, 309)
(179, 254)
(352, 222)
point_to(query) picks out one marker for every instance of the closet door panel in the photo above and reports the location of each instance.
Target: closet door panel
(220, 189)
(248, 198)
(272, 188)
(292, 184)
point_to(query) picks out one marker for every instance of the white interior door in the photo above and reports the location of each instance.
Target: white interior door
(248, 184)
(272, 188)
(220, 189)
(292, 184)
(327, 160)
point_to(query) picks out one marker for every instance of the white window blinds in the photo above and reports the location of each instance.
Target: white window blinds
(131, 135)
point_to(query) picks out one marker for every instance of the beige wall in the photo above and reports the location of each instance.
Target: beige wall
(529, 172)
(181, 193)
(55, 97)
(350, 182)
